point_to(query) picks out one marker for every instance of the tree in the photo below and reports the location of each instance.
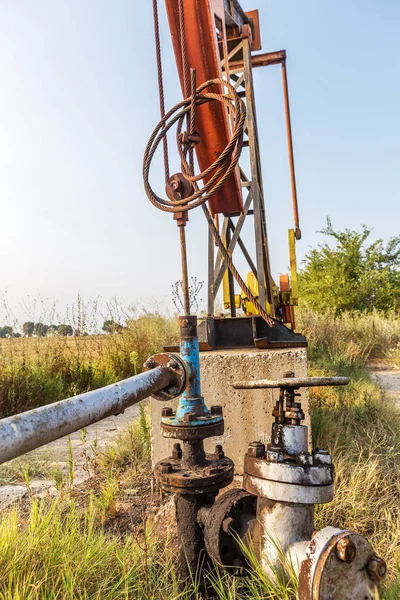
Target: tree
(28, 328)
(111, 326)
(6, 331)
(64, 329)
(52, 330)
(353, 274)
(41, 329)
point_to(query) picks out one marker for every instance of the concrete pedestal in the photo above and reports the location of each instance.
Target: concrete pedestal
(247, 413)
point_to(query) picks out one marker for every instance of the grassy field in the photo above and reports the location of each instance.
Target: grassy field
(101, 540)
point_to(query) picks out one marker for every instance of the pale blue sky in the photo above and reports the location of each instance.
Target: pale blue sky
(78, 102)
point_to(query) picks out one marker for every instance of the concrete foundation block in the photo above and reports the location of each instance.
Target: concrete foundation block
(247, 413)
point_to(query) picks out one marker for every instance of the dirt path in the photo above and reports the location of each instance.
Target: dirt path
(388, 379)
(54, 456)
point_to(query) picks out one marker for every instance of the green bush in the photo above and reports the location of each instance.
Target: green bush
(352, 275)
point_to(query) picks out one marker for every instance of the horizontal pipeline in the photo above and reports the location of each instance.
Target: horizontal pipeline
(34, 428)
(290, 382)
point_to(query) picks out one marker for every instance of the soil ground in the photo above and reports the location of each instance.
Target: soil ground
(55, 456)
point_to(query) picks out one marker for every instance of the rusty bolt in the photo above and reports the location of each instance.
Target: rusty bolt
(177, 451)
(189, 417)
(346, 550)
(166, 411)
(376, 568)
(150, 363)
(212, 471)
(322, 457)
(218, 452)
(256, 449)
(216, 410)
(172, 364)
(165, 467)
(173, 391)
(275, 454)
(230, 525)
(304, 458)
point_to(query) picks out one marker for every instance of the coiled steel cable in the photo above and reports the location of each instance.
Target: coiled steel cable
(222, 167)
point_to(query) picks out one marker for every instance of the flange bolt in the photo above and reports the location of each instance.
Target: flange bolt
(149, 364)
(322, 457)
(165, 467)
(172, 364)
(256, 449)
(219, 452)
(166, 411)
(275, 454)
(376, 568)
(177, 451)
(346, 550)
(189, 417)
(216, 410)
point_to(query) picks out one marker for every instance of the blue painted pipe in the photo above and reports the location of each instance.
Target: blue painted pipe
(192, 401)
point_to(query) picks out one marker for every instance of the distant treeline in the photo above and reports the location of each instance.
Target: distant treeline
(31, 329)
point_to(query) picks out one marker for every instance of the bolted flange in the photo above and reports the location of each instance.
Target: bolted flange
(340, 564)
(188, 431)
(227, 522)
(177, 367)
(206, 479)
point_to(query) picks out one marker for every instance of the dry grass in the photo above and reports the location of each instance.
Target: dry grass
(37, 371)
(349, 339)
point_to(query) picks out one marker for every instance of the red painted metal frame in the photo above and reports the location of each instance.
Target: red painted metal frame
(212, 120)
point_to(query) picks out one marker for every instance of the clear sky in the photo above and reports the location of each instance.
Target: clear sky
(79, 100)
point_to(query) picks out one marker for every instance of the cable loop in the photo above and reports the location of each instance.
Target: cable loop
(222, 167)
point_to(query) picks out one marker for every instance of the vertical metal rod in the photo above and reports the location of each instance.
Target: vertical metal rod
(290, 151)
(262, 276)
(230, 277)
(185, 277)
(210, 303)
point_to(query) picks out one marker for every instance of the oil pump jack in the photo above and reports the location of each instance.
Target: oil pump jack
(272, 516)
(216, 47)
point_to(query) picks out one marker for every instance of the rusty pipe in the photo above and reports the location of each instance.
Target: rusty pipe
(290, 151)
(34, 428)
(290, 382)
(185, 276)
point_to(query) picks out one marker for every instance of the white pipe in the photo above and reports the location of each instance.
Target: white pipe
(34, 428)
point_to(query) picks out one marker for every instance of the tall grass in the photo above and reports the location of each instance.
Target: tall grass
(349, 339)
